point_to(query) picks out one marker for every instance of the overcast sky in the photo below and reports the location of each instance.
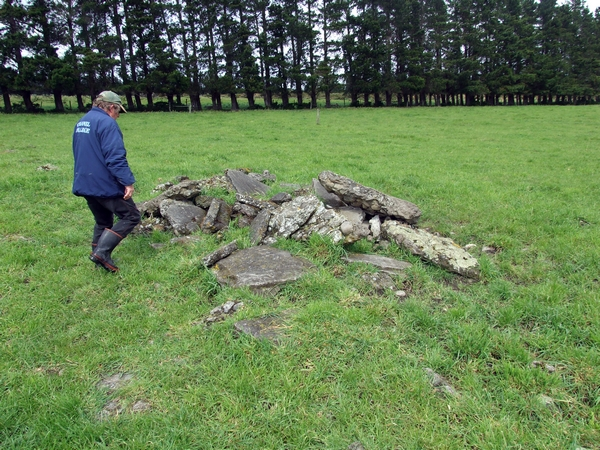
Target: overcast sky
(591, 4)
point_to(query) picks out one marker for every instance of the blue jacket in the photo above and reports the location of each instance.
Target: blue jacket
(101, 168)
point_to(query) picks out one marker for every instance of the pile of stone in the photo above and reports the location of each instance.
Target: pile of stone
(335, 206)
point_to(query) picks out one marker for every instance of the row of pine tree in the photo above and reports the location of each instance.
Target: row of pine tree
(287, 53)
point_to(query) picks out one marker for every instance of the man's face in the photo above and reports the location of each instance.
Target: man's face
(114, 111)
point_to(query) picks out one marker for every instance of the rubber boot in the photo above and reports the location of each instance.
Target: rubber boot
(94, 245)
(106, 244)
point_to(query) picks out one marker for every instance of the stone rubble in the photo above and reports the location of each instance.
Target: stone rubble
(333, 206)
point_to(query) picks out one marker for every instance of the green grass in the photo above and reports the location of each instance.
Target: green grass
(523, 180)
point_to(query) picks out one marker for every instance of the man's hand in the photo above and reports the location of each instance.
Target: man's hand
(128, 192)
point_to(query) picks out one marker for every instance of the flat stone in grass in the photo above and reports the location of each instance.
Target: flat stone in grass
(113, 408)
(440, 384)
(260, 268)
(270, 327)
(385, 264)
(380, 282)
(114, 382)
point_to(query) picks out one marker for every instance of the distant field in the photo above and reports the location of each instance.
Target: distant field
(524, 180)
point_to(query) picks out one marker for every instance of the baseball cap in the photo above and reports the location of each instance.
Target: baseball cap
(110, 97)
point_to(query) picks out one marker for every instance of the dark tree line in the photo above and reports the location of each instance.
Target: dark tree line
(379, 52)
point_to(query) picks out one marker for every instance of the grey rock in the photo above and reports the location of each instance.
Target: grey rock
(186, 190)
(368, 199)
(114, 382)
(280, 198)
(265, 177)
(223, 252)
(203, 201)
(244, 221)
(140, 406)
(183, 217)
(162, 187)
(435, 249)
(346, 227)
(259, 204)
(244, 184)
(547, 367)
(401, 294)
(329, 199)
(260, 268)
(388, 265)
(353, 215)
(270, 327)
(112, 409)
(489, 250)
(220, 313)
(441, 384)
(217, 217)
(356, 446)
(375, 225)
(291, 216)
(381, 282)
(359, 231)
(325, 222)
(259, 226)
(245, 210)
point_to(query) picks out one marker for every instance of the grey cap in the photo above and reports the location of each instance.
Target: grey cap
(110, 97)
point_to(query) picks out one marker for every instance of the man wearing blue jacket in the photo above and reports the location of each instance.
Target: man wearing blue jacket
(103, 177)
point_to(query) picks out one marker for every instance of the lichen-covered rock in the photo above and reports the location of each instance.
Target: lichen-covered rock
(368, 199)
(219, 254)
(291, 216)
(443, 252)
(259, 226)
(325, 222)
(217, 217)
(183, 217)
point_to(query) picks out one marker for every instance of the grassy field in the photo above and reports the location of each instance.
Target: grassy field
(524, 180)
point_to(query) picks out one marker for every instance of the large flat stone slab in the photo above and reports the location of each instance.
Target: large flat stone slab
(441, 251)
(244, 184)
(385, 264)
(260, 268)
(368, 199)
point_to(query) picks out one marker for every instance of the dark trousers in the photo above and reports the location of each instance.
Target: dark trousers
(105, 210)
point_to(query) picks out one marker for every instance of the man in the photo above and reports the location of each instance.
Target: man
(103, 177)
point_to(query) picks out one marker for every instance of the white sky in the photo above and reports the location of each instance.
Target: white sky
(592, 4)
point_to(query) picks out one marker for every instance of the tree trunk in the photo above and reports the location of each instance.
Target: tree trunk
(250, 97)
(234, 103)
(6, 97)
(58, 101)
